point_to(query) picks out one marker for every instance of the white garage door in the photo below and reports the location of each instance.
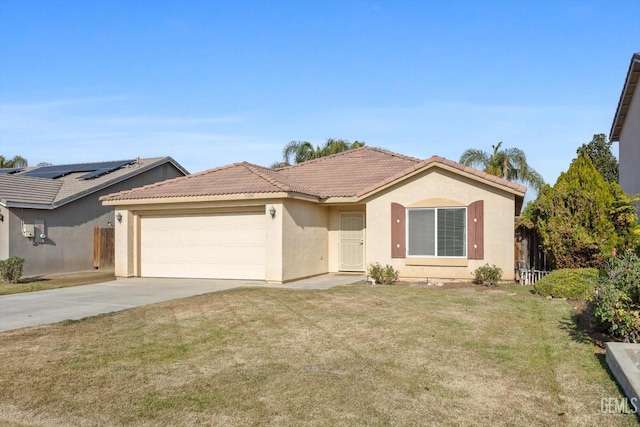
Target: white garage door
(221, 246)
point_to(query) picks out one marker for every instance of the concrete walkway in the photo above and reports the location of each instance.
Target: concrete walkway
(55, 305)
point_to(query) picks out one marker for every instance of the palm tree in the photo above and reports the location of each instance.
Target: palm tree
(301, 151)
(510, 164)
(15, 162)
(334, 146)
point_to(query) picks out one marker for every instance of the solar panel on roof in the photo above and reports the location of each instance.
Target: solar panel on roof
(96, 173)
(94, 169)
(9, 170)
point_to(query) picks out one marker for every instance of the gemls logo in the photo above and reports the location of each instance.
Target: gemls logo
(622, 405)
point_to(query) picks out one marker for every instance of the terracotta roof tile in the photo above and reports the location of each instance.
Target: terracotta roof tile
(345, 174)
(352, 173)
(236, 178)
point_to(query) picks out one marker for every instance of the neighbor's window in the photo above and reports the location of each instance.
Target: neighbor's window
(437, 232)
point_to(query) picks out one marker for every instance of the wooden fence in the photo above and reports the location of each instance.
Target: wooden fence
(103, 248)
(531, 261)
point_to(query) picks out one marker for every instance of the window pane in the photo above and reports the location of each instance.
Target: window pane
(452, 232)
(422, 232)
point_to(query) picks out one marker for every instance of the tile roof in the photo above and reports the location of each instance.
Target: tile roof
(353, 173)
(236, 178)
(346, 174)
(47, 193)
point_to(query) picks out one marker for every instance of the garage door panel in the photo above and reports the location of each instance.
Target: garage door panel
(226, 246)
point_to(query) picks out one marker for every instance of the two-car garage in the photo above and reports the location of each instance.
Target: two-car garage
(214, 245)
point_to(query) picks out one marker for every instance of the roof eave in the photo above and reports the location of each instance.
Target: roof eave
(626, 96)
(210, 198)
(27, 205)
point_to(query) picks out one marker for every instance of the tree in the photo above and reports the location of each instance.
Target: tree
(582, 219)
(15, 162)
(300, 151)
(509, 163)
(599, 151)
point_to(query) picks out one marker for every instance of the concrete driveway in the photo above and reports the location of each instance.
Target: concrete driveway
(55, 305)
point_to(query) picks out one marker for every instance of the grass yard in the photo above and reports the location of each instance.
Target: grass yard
(355, 355)
(41, 283)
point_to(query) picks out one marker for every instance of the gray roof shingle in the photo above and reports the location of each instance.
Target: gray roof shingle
(46, 193)
(24, 189)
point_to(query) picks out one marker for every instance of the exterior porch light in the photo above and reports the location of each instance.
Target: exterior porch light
(272, 211)
(119, 217)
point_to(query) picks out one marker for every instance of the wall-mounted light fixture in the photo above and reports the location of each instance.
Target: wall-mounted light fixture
(272, 211)
(119, 217)
(1, 218)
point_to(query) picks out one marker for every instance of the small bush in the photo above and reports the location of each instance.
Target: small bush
(488, 275)
(571, 283)
(11, 269)
(616, 305)
(386, 275)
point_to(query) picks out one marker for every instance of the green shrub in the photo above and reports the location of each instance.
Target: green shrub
(386, 275)
(616, 305)
(571, 283)
(488, 275)
(11, 269)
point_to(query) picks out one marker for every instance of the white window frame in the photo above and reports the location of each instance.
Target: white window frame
(466, 232)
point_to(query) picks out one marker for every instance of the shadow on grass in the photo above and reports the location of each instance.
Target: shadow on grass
(602, 359)
(33, 279)
(580, 328)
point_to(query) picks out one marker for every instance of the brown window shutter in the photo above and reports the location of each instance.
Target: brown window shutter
(475, 230)
(398, 231)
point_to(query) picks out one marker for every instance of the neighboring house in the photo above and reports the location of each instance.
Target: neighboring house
(428, 218)
(626, 129)
(48, 213)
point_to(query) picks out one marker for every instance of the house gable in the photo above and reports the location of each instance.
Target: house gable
(629, 90)
(488, 224)
(626, 129)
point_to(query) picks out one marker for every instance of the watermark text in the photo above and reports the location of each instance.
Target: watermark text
(619, 405)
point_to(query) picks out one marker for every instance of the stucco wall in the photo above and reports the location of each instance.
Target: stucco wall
(4, 233)
(440, 184)
(629, 147)
(274, 242)
(69, 229)
(305, 239)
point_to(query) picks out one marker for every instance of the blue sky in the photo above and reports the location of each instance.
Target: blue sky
(215, 82)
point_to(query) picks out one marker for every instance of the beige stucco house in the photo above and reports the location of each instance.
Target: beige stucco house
(626, 129)
(428, 218)
(49, 214)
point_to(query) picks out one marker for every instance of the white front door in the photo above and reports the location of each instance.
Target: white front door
(352, 241)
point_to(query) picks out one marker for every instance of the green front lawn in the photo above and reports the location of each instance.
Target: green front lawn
(355, 355)
(42, 283)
